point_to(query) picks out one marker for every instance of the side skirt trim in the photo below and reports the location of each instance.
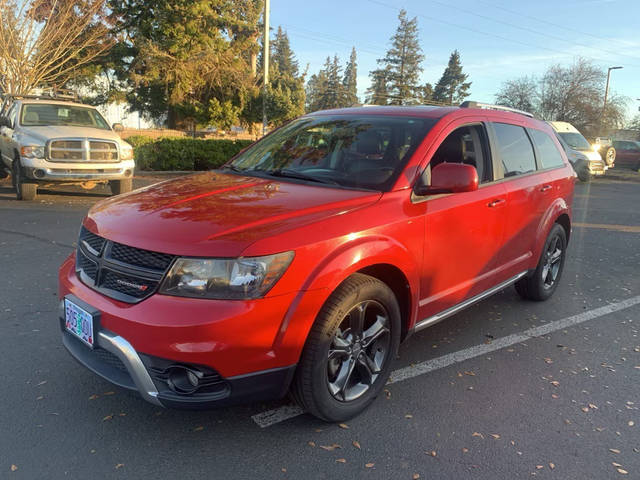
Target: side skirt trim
(427, 322)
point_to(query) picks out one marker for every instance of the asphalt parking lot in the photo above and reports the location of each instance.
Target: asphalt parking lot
(506, 389)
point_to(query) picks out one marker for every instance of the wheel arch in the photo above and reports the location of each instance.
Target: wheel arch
(564, 220)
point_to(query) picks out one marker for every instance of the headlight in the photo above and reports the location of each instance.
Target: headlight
(596, 147)
(225, 278)
(126, 152)
(32, 151)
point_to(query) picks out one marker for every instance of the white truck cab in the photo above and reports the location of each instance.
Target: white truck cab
(52, 139)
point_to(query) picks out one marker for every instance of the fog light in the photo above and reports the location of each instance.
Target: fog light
(183, 380)
(127, 173)
(39, 173)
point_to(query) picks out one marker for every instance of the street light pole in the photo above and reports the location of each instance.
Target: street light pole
(606, 93)
(265, 58)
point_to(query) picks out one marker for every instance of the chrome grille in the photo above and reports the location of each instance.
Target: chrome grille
(119, 271)
(83, 150)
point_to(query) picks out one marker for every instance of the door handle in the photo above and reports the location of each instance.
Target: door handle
(545, 188)
(496, 203)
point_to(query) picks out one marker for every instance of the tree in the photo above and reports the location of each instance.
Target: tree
(520, 93)
(350, 80)
(326, 89)
(634, 124)
(401, 67)
(427, 93)
(47, 42)
(282, 55)
(378, 92)
(452, 86)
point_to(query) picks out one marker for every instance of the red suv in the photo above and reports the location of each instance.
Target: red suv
(303, 263)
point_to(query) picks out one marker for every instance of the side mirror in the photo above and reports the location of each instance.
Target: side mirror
(449, 178)
(117, 127)
(5, 122)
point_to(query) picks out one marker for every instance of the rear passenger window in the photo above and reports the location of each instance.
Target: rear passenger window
(550, 157)
(515, 149)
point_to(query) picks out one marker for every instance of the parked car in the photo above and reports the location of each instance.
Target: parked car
(304, 262)
(604, 146)
(574, 139)
(584, 167)
(628, 154)
(51, 139)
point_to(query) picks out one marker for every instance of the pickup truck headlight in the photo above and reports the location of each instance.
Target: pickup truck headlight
(225, 278)
(126, 152)
(32, 151)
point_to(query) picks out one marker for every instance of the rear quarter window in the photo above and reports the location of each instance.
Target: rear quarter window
(550, 157)
(516, 151)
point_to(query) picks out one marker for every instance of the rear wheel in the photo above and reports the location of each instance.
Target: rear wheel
(610, 156)
(121, 186)
(24, 190)
(347, 357)
(544, 281)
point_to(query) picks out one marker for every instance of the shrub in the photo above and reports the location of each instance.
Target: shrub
(183, 153)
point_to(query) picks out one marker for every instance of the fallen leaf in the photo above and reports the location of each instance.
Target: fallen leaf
(548, 360)
(119, 465)
(615, 464)
(284, 470)
(408, 416)
(341, 460)
(93, 397)
(387, 393)
(591, 405)
(311, 444)
(552, 466)
(495, 435)
(622, 471)
(614, 450)
(539, 467)
(433, 453)
(330, 448)
(122, 414)
(344, 425)
(465, 450)
(108, 417)
(585, 409)
(14, 468)
(631, 424)
(369, 465)
(198, 429)
(477, 434)
(318, 430)
(553, 395)
(470, 374)
(109, 393)
(356, 444)
(41, 383)
(415, 476)
(555, 383)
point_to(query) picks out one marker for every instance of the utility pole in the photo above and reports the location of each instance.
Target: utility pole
(606, 94)
(266, 66)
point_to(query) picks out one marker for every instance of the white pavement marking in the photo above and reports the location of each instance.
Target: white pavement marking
(280, 414)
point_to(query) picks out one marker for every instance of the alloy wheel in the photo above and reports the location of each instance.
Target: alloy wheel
(552, 262)
(358, 351)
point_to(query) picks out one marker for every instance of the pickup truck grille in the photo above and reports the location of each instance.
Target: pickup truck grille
(83, 150)
(119, 271)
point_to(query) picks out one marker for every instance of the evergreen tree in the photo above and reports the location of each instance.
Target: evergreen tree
(316, 89)
(377, 93)
(282, 55)
(325, 90)
(452, 86)
(427, 93)
(402, 64)
(350, 80)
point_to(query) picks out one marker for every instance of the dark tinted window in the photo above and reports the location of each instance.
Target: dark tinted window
(549, 155)
(466, 145)
(515, 149)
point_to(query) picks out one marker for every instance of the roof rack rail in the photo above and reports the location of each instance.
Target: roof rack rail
(46, 94)
(488, 106)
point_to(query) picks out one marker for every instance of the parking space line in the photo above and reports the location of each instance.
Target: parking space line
(605, 226)
(277, 415)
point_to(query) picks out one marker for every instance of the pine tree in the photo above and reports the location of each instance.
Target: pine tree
(402, 63)
(325, 90)
(316, 89)
(377, 93)
(350, 80)
(282, 55)
(427, 93)
(452, 86)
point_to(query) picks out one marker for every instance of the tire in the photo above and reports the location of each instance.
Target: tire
(543, 282)
(609, 156)
(24, 191)
(584, 175)
(121, 186)
(319, 378)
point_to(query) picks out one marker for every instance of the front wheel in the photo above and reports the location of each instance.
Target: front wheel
(348, 354)
(121, 186)
(584, 175)
(24, 191)
(544, 281)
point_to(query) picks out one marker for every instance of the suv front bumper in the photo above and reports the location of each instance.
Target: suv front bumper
(42, 170)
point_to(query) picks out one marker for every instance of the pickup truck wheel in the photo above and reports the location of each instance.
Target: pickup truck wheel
(544, 281)
(121, 186)
(24, 191)
(347, 358)
(610, 156)
(584, 175)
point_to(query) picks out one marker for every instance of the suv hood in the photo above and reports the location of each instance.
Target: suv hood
(44, 134)
(215, 214)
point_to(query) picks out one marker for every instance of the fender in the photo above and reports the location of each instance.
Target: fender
(557, 208)
(329, 273)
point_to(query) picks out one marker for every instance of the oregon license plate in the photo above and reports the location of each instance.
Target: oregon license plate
(79, 322)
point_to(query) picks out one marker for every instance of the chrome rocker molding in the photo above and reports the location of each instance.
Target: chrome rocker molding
(427, 322)
(125, 352)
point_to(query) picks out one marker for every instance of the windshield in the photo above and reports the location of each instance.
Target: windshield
(356, 151)
(575, 140)
(45, 114)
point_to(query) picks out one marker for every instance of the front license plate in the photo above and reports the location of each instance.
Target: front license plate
(79, 322)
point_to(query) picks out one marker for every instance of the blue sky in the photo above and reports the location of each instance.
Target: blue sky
(497, 39)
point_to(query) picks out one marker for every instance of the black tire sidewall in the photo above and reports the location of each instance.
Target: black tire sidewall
(327, 407)
(541, 291)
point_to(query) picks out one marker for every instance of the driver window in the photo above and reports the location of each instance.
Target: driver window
(466, 145)
(12, 116)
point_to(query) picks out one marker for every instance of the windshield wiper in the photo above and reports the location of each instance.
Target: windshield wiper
(233, 168)
(288, 173)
